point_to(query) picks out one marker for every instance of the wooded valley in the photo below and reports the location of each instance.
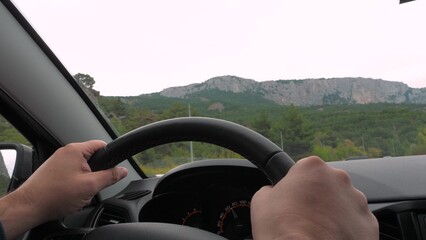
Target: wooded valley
(333, 132)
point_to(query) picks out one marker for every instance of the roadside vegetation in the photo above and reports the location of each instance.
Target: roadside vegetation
(332, 132)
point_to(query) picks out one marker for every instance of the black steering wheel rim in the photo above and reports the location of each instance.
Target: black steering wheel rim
(262, 152)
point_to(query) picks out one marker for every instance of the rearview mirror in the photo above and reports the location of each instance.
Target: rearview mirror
(15, 165)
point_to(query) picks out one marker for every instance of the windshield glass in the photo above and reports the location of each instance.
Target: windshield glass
(343, 80)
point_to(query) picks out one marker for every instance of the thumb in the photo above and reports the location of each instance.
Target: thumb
(105, 178)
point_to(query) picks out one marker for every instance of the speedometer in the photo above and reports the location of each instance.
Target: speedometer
(193, 218)
(234, 221)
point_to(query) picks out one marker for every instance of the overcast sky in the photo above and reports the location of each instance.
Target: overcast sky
(9, 159)
(132, 47)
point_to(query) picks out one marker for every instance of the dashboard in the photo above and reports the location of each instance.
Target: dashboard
(215, 195)
(223, 209)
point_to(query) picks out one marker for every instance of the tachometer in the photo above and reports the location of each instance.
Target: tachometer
(193, 218)
(234, 221)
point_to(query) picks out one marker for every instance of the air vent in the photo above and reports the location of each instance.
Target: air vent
(134, 195)
(111, 215)
(389, 226)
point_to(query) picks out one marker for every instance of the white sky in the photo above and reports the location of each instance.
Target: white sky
(132, 47)
(9, 158)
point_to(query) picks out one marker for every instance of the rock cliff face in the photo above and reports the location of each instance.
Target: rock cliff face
(225, 83)
(310, 91)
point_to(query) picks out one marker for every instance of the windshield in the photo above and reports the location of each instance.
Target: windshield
(342, 80)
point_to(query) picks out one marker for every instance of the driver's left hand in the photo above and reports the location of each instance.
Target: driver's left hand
(63, 185)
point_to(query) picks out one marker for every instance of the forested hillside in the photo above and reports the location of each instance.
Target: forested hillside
(331, 131)
(334, 132)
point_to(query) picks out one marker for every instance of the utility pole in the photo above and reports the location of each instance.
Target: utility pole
(190, 143)
(363, 143)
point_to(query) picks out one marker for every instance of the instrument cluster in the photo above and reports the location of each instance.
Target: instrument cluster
(222, 208)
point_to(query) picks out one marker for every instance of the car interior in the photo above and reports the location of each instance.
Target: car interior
(43, 101)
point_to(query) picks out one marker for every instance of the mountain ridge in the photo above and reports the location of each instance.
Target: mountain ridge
(308, 92)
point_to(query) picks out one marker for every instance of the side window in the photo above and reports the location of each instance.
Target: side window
(8, 134)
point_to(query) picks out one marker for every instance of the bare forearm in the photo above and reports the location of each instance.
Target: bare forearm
(17, 214)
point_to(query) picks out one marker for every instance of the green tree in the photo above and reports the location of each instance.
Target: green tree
(327, 153)
(373, 152)
(112, 105)
(326, 137)
(262, 124)
(296, 131)
(178, 109)
(136, 118)
(419, 147)
(347, 149)
(87, 80)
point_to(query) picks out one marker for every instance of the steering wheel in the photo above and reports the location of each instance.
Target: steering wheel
(263, 153)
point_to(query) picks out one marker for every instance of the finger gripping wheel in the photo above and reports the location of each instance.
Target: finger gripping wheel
(263, 153)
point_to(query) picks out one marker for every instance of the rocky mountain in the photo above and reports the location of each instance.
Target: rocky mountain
(309, 92)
